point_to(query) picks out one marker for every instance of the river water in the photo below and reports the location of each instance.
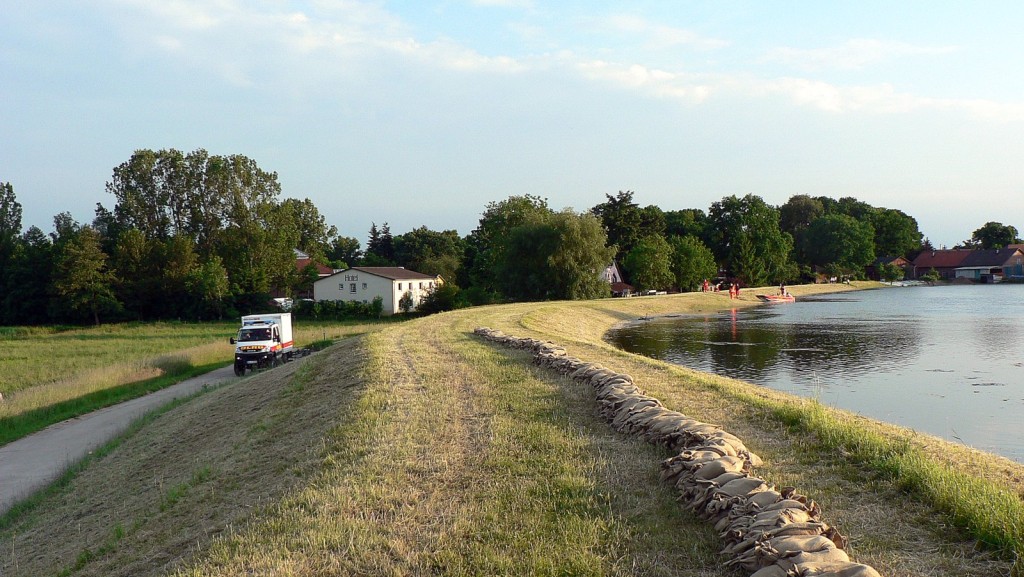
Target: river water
(945, 360)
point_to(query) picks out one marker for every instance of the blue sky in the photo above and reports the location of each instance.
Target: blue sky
(420, 112)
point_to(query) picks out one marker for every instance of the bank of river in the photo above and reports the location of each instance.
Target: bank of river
(943, 360)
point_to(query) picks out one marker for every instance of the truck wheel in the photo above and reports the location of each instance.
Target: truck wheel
(239, 370)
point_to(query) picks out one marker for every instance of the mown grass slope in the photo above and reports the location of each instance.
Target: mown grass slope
(420, 449)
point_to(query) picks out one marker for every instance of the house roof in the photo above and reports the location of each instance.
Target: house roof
(946, 258)
(391, 272)
(899, 260)
(322, 270)
(990, 258)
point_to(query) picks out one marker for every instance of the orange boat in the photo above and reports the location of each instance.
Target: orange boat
(777, 298)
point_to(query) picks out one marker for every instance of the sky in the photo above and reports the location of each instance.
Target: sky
(419, 113)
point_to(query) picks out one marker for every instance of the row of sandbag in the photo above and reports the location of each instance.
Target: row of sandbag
(768, 532)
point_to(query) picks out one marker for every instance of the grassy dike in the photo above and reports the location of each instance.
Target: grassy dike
(420, 449)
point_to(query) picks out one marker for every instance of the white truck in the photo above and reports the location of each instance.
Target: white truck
(263, 341)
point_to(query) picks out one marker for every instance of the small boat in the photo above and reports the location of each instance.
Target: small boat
(777, 298)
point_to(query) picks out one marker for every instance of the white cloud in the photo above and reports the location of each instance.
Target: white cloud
(250, 46)
(655, 82)
(854, 54)
(660, 36)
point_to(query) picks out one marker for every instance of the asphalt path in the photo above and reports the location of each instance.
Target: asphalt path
(33, 462)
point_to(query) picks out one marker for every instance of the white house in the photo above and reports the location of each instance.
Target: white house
(364, 283)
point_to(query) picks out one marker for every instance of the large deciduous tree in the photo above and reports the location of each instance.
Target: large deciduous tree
(686, 222)
(746, 237)
(796, 216)
(431, 252)
(692, 262)
(83, 278)
(29, 274)
(622, 220)
(994, 235)
(315, 235)
(257, 246)
(486, 244)
(896, 233)
(649, 264)
(841, 240)
(345, 252)
(554, 256)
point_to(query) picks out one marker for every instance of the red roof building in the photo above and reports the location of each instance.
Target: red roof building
(944, 261)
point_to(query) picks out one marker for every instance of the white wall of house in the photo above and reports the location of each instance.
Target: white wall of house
(362, 286)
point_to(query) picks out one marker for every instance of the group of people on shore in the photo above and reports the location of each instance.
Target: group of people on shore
(734, 288)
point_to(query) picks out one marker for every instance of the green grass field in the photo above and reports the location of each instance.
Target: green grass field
(55, 374)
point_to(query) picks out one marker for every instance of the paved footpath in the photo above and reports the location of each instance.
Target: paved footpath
(31, 463)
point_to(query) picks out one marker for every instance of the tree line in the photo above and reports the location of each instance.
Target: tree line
(201, 236)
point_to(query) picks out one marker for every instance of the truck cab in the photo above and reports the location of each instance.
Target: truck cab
(263, 341)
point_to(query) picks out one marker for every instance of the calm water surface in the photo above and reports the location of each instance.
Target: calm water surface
(944, 360)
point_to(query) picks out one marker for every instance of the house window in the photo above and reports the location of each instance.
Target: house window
(364, 286)
(352, 288)
(399, 286)
(421, 286)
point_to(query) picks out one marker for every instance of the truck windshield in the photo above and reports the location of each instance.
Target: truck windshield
(248, 335)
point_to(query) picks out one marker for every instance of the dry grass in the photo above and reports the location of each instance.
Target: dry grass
(420, 449)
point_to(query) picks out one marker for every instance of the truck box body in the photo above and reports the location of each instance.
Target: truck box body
(282, 320)
(263, 340)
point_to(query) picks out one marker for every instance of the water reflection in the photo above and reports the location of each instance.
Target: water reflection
(942, 360)
(761, 345)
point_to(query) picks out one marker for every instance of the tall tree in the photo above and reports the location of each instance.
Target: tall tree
(82, 276)
(842, 240)
(485, 245)
(380, 247)
(579, 257)
(345, 252)
(796, 216)
(994, 235)
(649, 264)
(258, 242)
(315, 235)
(554, 256)
(139, 287)
(622, 220)
(208, 287)
(430, 252)
(10, 228)
(10, 221)
(747, 238)
(692, 262)
(896, 233)
(30, 273)
(686, 222)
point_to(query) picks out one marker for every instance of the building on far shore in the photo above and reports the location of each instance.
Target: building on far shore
(944, 261)
(365, 283)
(992, 265)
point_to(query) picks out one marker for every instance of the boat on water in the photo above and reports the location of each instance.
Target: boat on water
(777, 298)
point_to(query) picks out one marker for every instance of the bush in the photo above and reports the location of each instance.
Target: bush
(338, 310)
(445, 297)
